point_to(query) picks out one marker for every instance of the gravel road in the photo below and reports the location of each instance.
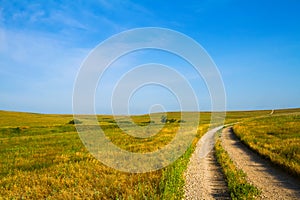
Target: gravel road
(272, 181)
(204, 179)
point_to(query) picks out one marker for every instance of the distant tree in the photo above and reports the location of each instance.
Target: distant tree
(163, 119)
(75, 121)
(171, 120)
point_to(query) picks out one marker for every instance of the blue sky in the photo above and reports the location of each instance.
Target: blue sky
(255, 44)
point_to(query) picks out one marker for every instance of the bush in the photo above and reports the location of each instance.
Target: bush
(163, 119)
(75, 121)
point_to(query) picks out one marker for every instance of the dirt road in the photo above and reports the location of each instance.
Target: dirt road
(272, 181)
(204, 179)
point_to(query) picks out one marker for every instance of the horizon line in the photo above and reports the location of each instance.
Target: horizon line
(136, 114)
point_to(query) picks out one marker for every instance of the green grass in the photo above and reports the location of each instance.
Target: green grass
(240, 116)
(173, 179)
(42, 156)
(238, 186)
(275, 137)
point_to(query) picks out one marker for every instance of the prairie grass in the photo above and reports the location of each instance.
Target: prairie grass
(237, 183)
(42, 156)
(240, 116)
(275, 137)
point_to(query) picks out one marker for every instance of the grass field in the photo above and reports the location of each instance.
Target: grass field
(276, 137)
(42, 156)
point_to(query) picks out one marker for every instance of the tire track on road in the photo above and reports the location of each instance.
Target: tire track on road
(272, 181)
(204, 178)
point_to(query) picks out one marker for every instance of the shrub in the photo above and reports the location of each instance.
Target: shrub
(75, 121)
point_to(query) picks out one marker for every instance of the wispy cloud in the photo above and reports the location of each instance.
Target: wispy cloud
(124, 6)
(60, 17)
(35, 66)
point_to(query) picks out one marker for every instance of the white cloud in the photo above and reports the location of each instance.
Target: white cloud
(60, 17)
(38, 68)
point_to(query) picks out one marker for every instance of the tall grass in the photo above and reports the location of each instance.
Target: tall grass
(41, 156)
(276, 137)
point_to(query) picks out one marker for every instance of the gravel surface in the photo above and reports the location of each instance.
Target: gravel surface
(272, 181)
(204, 179)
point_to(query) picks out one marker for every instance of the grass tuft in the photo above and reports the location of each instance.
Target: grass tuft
(238, 186)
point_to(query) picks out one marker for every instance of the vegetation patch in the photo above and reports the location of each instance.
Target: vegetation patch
(238, 186)
(173, 180)
(275, 137)
(75, 121)
(42, 156)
